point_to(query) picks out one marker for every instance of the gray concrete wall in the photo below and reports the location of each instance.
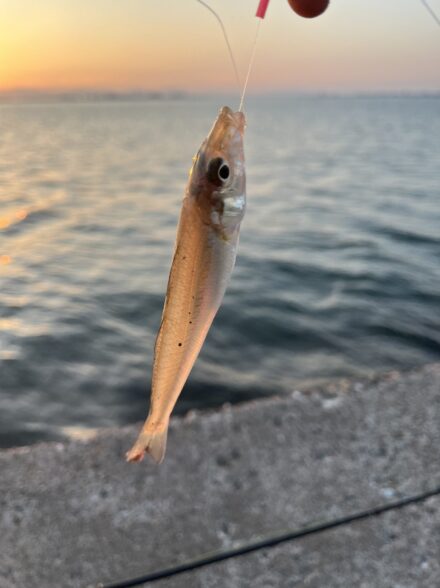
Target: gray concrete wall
(76, 514)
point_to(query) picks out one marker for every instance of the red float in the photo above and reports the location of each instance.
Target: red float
(309, 8)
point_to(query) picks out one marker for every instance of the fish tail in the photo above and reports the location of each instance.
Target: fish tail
(152, 441)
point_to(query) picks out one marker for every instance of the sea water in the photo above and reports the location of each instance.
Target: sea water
(338, 271)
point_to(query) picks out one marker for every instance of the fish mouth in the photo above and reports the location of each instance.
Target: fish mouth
(226, 135)
(230, 118)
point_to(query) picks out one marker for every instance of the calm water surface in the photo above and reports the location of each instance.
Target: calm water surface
(338, 271)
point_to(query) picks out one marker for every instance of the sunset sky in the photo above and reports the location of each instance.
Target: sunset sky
(176, 44)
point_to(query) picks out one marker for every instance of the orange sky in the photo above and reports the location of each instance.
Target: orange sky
(177, 44)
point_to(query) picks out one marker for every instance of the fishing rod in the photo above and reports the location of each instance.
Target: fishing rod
(434, 15)
(272, 541)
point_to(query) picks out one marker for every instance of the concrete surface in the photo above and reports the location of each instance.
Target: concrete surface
(75, 514)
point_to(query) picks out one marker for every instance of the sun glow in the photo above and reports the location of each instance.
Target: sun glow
(138, 44)
(12, 219)
(5, 259)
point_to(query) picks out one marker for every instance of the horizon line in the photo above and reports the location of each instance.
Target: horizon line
(91, 94)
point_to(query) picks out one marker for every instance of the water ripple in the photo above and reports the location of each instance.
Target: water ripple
(338, 272)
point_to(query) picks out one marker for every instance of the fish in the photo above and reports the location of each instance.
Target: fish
(213, 207)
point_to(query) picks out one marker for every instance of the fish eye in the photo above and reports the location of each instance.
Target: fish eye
(223, 172)
(218, 171)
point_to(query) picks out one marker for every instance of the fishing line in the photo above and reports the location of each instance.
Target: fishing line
(431, 11)
(251, 63)
(260, 14)
(225, 35)
(231, 53)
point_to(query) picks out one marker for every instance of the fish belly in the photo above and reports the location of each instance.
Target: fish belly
(201, 268)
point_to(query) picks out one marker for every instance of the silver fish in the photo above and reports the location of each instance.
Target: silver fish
(204, 256)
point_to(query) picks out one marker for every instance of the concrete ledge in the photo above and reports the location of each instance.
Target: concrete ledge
(76, 514)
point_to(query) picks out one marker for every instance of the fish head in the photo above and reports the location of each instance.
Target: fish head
(218, 178)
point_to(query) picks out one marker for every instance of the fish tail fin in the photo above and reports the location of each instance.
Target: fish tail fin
(152, 441)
